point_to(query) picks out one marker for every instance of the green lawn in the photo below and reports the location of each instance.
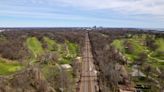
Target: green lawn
(159, 52)
(72, 49)
(34, 46)
(155, 57)
(137, 43)
(66, 51)
(131, 57)
(119, 44)
(138, 47)
(160, 43)
(52, 45)
(7, 68)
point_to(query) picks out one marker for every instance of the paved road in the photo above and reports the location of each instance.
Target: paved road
(88, 78)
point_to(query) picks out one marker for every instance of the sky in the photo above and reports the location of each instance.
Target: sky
(82, 13)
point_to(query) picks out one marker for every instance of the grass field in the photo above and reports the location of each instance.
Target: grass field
(34, 46)
(159, 52)
(137, 43)
(66, 51)
(155, 57)
(52, 45)
(160, 43)
(72, 49)
(119, 44)
(138, 47)
(7, 68)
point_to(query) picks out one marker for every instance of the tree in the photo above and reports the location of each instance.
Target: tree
(148, 70)
(142, 58)
(48, 57)
(129, 47)
(161, 81)
(150, 42)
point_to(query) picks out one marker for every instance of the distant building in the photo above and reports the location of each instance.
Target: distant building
(88, 29)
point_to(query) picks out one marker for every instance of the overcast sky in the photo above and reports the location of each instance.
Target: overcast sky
(78, 13)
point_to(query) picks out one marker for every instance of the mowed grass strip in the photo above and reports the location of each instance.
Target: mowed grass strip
(34, 46)
(138, 48)
(9, 68)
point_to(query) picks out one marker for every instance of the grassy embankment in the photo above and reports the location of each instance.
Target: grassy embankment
(65, 52)
(155, 58)
(35, 47)
(138, 45)
(8, 67)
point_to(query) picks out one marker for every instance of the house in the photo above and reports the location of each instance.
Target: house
(66, 66)
(136, 72)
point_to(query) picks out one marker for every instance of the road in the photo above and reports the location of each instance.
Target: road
(88, 77)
